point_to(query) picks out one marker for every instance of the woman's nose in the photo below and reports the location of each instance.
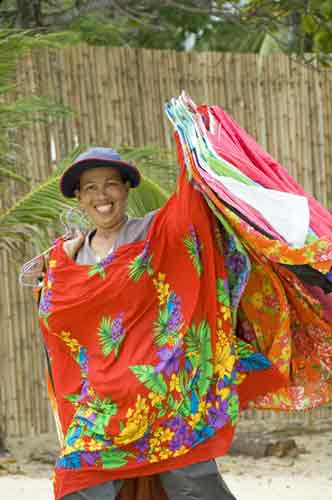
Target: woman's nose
(102, 192)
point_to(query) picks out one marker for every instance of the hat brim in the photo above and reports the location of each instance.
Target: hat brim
(69, 181)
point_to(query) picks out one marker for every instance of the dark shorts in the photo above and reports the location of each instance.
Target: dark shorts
(200, 481)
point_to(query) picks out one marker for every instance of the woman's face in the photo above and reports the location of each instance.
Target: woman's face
(103, 196)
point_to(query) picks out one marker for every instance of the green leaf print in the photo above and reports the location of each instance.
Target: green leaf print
(193, 345)
(206, 367)
(185, 407)
(153, 381)
(194, 249)
(222, 292)
(97, 269)
(112, 458)
(199, 351)
(111, 334)
(243, 349)
(233, 409)
(141, 263)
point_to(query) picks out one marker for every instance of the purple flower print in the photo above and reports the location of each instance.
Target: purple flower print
(194, 239)
(106, 260)
(145, 253)
(45, 302)
(169, 360)
(142, 445)
(175, 317)
(84, 389)
(177, 424)
(182, 437)
(236, 262)
(90, 457)
(46, 295)
(217, 417)
(117, 328)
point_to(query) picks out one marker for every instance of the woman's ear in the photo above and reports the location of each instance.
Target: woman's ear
(77, 195)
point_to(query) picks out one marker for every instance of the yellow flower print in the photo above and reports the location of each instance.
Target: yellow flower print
(153, 459)
(164, 454)
(163, 289)
(223, 393)
(203, 407)
(225, 312)
(94, 445)
(166, 435)
(155, 444)
(72, 343)
(240, 377)
(141, 404)
(194, 419)
(224, 360)
(130, 412)
(133, 430)
(52, 263)
(137, 423)
(79, 443)
(155, 398)
(180, 451)
(174, 384)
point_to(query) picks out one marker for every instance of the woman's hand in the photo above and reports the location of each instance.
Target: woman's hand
(71, 247)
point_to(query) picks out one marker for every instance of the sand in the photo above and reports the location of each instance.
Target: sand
(307, 476)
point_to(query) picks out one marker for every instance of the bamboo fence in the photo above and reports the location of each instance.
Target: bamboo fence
(118, 97)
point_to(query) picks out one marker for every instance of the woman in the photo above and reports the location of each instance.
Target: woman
(160, 330)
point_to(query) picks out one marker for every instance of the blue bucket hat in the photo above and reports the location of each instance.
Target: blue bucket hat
(93, 158)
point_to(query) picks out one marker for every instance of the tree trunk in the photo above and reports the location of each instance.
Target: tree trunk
(28, 14)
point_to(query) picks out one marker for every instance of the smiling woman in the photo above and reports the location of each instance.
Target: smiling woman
(161, 329)
(103, 194)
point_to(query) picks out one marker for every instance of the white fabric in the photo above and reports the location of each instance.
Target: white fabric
(287, 213)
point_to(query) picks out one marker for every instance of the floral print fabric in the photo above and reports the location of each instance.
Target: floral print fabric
(146, 363)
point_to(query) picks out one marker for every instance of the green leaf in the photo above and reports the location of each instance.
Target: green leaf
(222, 293)
(171, 402)
(73, 398)
(104, 334)
(162, 412)
(112, 459)
(205, 365)
(97, 269)
(153, 381)
(233, 409)
(192, 345)
(243, 349)
(185, 407)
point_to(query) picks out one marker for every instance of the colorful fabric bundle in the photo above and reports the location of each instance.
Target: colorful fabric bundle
(156, 349)
(286, 308)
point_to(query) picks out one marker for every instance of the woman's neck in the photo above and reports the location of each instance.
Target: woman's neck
(109, 234)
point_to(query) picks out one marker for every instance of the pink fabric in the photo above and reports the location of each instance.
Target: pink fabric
(236, 146)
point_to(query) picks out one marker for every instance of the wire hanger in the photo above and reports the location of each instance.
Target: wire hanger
(31, 272)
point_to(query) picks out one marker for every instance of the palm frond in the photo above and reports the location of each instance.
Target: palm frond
(29, 218)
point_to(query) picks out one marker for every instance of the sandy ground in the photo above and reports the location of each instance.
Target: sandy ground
(24, 475)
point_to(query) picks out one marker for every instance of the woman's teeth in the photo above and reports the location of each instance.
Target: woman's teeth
(104, 209)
